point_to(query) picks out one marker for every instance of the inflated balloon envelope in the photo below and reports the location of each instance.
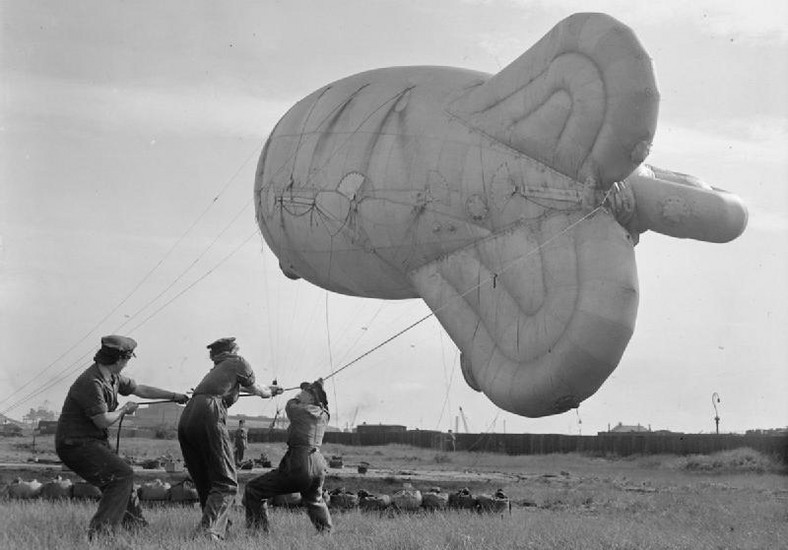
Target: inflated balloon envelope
(510, 203)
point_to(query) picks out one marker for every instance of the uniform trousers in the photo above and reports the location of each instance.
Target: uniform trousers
(208, 456)
(302, 470)
(94, 461)
(239, 453)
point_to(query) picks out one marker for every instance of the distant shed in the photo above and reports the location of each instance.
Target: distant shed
(47, 426)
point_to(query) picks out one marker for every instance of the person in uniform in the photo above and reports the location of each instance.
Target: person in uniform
(451, 439)
(82, 439)
(241, 442)
(204, 438)
(302, 469)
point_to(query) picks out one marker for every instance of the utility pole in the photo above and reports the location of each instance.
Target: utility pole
(715, 398)
(464, 421)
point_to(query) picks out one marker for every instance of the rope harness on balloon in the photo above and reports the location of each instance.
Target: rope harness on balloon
(465, 293)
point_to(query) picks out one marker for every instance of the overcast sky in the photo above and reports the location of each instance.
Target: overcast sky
(129, 135)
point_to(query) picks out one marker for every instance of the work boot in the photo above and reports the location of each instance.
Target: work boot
(203, 534)
(257, 520)
(133, 523)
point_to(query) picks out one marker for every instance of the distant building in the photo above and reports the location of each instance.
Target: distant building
(623, 428)
(161, 415)
(47, 426)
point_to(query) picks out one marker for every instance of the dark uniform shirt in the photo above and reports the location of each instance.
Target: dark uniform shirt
(307, 424)
(89, 395)
(224, 380)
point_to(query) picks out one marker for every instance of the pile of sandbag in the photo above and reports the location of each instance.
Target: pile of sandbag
(409, 499)
(60, 488)
(54, 489)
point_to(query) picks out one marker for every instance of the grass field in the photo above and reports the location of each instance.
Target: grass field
(737, 499)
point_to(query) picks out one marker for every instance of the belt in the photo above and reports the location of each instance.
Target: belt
(309, 447)
(79, 441)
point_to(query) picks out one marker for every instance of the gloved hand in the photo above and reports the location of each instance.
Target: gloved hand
(276, 390)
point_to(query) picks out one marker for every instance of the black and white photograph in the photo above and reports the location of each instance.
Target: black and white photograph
(388, 274)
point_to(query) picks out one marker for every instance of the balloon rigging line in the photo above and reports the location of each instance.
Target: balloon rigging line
(352, 362)
(331, 358)
(483, 436)
(463, 294)
(188, 268)
(355, 131)
(136, 287)
(189, 287)
(360, 336)
(70, 369)
(302, 133)
(270, 337)
(448, 384)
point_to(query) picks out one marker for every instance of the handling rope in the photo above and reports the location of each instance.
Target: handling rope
(120, 422)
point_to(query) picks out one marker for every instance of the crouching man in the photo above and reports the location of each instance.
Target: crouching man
(302, 469)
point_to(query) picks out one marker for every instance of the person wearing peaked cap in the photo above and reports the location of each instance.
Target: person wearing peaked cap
(204, 439)
(222, 345)
(82, 438)
(302, 469)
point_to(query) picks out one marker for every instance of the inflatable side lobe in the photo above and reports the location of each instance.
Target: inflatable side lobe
(583, 100)
(539, 331)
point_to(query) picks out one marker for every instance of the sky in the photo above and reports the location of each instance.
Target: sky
(129, 136)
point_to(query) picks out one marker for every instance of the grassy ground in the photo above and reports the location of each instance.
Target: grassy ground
(737, 499)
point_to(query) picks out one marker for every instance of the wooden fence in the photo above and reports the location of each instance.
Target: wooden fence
(620, 444)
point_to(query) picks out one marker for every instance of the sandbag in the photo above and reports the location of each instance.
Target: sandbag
(368, 501)
(497, 503)
(343, 500)
(154, 490)
(462, 500)
(57, 488)
(407, 499)
(83, 490)
(185, 491)
(24, 490)
(434, 500)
